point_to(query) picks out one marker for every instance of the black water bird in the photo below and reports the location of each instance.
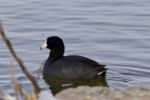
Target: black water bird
(69, 67)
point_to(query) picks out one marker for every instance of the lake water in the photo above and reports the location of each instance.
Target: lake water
(115, 33)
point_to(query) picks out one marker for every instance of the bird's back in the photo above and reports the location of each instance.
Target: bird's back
(74, 67)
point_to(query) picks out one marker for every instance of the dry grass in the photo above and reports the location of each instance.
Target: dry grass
(19, 91)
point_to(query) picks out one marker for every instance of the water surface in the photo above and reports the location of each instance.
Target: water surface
(115, 33)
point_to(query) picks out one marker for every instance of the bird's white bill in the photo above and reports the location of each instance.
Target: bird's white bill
(44, 45)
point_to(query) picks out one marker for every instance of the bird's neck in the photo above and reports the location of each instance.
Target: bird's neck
(56, 54)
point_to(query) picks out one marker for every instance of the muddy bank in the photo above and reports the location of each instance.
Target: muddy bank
(104, 93)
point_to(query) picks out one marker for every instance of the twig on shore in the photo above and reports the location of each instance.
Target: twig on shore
(19, 61)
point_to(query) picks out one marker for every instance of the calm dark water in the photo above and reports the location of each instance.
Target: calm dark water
(115, 33)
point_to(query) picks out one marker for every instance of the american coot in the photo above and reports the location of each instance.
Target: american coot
(69, 67)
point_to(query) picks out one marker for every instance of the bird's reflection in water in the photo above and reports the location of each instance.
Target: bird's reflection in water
(56, 84)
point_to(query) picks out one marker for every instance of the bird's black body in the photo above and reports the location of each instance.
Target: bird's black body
(69, 67)
(72, 70)
(73, 67)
